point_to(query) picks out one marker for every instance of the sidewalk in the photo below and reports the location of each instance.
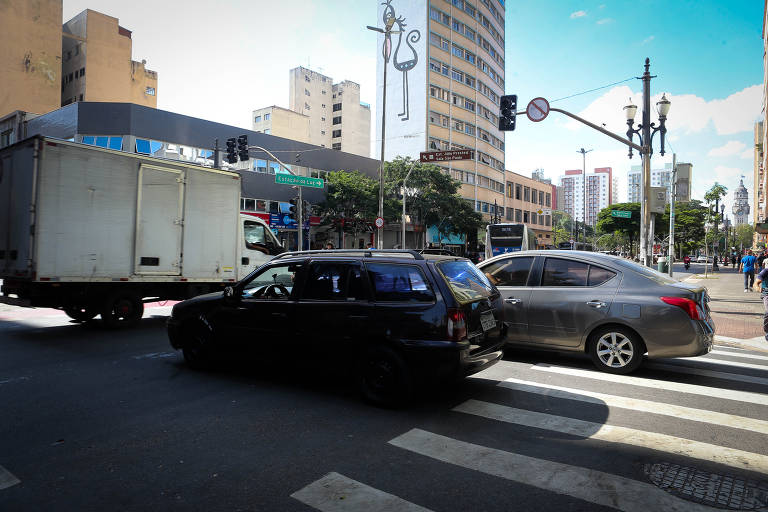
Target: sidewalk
(738, 316)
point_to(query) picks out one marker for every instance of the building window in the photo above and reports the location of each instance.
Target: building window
(518, 216)
(336, 107)
(336, 133)
(266, 117)
(337, 120)
(267, 131)
(526, 217)
(82, 71)
(323, 92)
(306, 106)
(81, 97)
(257, 119)
(336, 145)
(306, 78)
(306, 92)
(518, 192)
(323, 105)
(322, 132)
(541, 197)
(549, 199)
(322, 119)
(150, 91)
(527, 194)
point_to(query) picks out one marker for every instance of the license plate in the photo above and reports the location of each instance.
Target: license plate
(487, 321)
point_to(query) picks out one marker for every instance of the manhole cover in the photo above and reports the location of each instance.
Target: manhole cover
(712, 489)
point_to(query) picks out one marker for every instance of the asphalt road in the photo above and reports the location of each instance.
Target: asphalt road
(104, 420)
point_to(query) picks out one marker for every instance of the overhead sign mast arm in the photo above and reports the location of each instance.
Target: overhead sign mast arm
(600, 129)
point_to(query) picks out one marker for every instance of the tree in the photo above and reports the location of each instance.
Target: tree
(629, 228)
(744, 235)
(561, 227)
(432, 197)
(351, 202)
(690, 218)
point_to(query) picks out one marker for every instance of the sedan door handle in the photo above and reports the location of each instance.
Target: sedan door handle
(513, 301)
(280, 315)
(597, 304)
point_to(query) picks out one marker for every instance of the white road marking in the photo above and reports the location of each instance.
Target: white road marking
(578, 482)
(734, 354)
(337, 493)
(714, 360)
(155, 355)
(636, 404)
(679, 387)
(7, 479)
(615, 434)
(707, 373)
(13, 379)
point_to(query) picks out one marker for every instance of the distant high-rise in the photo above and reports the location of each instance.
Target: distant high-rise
(602, 189)
(659, 178)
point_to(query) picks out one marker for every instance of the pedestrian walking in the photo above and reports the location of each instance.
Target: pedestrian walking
(747, 266)
(760, 260)
(761, 283)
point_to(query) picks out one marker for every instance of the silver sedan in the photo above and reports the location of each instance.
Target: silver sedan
(611, 308)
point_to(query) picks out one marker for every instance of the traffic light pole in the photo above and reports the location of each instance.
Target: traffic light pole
(300, 220)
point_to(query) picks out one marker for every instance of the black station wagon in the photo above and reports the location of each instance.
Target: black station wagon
(402, 317)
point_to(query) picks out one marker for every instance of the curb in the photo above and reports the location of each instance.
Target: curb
(758, 344)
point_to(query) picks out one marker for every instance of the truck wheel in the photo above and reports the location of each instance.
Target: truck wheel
(384, 377)
(122, 311)
(81, 313)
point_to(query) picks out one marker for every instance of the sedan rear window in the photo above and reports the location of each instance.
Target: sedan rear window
(559, 272)
(466, 281)
(509, 271)
(399, 283)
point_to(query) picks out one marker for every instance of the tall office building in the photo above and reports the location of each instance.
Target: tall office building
(445, 77)
(601, 192)
(660, 177)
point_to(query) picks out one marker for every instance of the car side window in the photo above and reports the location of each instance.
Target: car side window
(399, 283)
(326, 281)
(509, 271)
(598, 275)
(562, 272)
(274, 283)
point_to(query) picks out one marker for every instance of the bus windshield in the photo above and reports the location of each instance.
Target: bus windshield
(502, 238)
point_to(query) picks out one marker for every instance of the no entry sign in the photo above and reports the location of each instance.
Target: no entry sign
(537, 109)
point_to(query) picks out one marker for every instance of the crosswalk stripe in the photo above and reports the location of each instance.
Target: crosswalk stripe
(735, 354)
(615, 434)
(636, 404)
(725, 362)
(337, 493)
(586, 484)
(7, 479)
(693, 389)
(707, 373)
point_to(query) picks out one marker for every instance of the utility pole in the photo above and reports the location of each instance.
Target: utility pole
(672, 193)
(715, 243)
(645, 211)
(584, 186)
(216, 164)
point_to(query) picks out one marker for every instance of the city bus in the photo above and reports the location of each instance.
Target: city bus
(501, 238)
(576, 246)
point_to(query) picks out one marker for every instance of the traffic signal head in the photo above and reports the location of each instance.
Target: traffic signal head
(507, 112)
(231, 157)
(305, 209)
(293, 210)
(242, 147)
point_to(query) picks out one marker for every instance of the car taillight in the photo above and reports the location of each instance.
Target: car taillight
(686, 305)
(457, 324)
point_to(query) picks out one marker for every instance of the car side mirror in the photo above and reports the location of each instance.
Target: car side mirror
(229, 293)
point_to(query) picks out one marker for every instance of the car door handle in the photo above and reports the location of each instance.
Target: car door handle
(597, 304)
(280, 315)
(358, 317)
(513, 301)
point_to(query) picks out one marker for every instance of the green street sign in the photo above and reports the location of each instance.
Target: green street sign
(621, 213)
(302, 181)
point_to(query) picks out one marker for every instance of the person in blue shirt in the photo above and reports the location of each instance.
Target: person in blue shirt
(747, 265)
(762, 284)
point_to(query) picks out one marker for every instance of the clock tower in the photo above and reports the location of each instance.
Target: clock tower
(740, 204)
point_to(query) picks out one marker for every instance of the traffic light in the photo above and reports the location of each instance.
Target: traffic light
(293, 211)
(231, 156)
(507, 112)
(242, 147)
(305, 209)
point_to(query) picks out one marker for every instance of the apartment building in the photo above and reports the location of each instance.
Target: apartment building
(281, 122)
(759, 209)
(660, 177)
(529, 201)
(601, 192)
(445, 77)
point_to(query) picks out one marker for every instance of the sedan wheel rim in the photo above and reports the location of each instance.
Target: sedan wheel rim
(615, 350)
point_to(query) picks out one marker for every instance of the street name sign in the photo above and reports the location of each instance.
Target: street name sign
(302, 181)
(444, 156)
(621, 213)
(544, 211)
(537, 109)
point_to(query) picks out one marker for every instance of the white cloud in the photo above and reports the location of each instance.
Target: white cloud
(730, 148)
(604, 21)
(648, 39)
(748, 154)
(578, 14)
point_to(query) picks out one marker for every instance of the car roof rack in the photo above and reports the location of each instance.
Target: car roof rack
(367, 253)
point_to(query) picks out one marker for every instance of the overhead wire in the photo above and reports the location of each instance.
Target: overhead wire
(593, 90)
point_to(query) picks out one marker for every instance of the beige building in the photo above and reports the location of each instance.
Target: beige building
(96, 63)
(445, 78)
(30, 56)
(529, 201)
(321, 113)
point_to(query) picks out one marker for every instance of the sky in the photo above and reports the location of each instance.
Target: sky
(219, 61)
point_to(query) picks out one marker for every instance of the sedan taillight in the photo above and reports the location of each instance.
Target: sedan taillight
(686, 305)
(457, 324)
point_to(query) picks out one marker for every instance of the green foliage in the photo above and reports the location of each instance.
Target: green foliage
(744, 234)
(627, 228)
(351, 201)
(432, 197)
(690, 218)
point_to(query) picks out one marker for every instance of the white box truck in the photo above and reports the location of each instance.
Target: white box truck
(94, 231)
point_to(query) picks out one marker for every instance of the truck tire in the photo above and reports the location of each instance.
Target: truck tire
(81, 313)
(122, 310)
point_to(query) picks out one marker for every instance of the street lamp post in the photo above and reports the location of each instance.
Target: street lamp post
(584, 186)
(645, 131)
(389, 21)
(403, 219)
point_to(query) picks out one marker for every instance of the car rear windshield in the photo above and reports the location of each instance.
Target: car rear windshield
(465, 280)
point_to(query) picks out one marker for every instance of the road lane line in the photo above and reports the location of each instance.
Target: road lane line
(614, 434)
(679, 387)
(636, 404)
(337, 493)
(734, 354)
(7, 479)
(724, 362)
(707, 373)
(578, 482)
